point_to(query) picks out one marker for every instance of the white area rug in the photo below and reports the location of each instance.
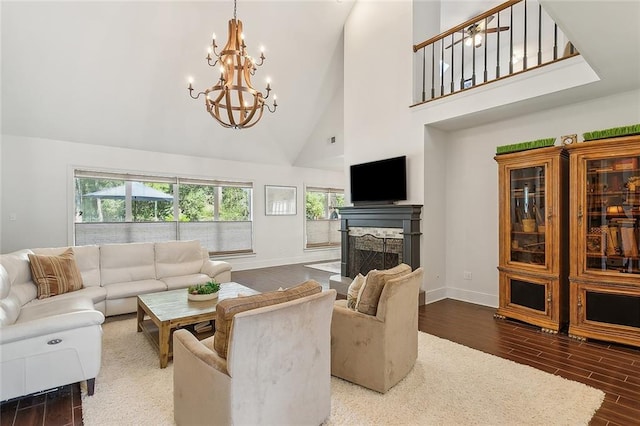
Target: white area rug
(450, 385)
(327, 267)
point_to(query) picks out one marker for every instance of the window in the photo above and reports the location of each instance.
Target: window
(322, 207)
(124, 208)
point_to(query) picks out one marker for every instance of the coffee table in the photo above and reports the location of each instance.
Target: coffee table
(159, 314)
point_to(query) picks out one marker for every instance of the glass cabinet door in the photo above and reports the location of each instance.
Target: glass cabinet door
(612, 211)
(527, 215)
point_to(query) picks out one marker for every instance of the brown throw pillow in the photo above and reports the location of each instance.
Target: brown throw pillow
(353, 290)
(370, 294)
(55, 275)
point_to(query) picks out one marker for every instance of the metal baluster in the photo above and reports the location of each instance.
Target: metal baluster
(433, 72)
(485, 51)
(498, 49)
(524, 59)
(452, 49)
(462, 63)
(473, 66)
(423, 76)
(511, 40)
(555, 41)
(539, 34)
(441, 67)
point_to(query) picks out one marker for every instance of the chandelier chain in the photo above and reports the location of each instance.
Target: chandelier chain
(234, 9)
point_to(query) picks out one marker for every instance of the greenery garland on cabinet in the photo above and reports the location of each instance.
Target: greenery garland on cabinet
(522, 146)
(633, 129)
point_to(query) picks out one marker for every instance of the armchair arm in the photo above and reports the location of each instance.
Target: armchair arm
(201, 384)
(351, 328)
(199, 351)
(215, 267)
(48, 325)
(357, 346)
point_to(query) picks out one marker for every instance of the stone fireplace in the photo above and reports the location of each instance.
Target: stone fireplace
(379, 237)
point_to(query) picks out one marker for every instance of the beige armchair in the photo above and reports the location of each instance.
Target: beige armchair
(377, 351)
(276, 371)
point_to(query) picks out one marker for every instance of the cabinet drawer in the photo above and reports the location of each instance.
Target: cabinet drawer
(610, 308)
(536, 300)
(528, 294)
(605, 311)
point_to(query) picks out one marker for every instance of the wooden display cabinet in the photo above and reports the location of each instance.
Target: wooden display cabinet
(533, 237)
(605, 256)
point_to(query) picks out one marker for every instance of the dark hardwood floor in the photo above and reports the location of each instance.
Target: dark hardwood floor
(613, 368)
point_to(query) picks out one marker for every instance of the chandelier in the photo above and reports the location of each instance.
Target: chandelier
(232, 100)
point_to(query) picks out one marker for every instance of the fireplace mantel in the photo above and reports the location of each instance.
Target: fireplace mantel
(403, 216)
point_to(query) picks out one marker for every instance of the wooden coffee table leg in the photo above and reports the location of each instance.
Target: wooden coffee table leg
(163, 343)
(140, 317)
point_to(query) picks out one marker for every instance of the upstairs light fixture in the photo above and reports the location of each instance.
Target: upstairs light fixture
(233, 101)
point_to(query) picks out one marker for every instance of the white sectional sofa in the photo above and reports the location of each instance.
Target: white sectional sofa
(55, 341)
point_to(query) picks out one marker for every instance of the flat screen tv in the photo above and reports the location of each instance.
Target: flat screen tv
(379, 182)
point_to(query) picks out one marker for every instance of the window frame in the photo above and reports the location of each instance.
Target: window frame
(329, 244)
(175, 181)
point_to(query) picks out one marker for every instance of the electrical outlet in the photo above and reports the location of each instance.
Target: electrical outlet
(467, 275)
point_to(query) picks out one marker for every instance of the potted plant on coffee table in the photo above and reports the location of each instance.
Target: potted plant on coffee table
(207, 291)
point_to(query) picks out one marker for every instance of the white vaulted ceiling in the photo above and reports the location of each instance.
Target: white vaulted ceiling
(115, 73)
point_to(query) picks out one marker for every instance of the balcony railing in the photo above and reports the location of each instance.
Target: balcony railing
(512, 38)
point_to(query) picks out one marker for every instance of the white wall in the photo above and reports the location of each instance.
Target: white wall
(36, 177)
(377, 90)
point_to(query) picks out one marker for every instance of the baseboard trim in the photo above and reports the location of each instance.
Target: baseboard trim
(309, 257)
(490, 300)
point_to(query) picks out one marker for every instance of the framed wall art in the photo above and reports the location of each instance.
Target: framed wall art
(280, 200)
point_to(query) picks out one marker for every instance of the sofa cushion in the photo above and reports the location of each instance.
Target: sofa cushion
(5, 284)
(175, 258)
(9, 304)
(354, 289)
(55, 274)
(57, 306)
(87, 259)
(17, 266)
(120, 263)
(134, 288)
(226, 309)
(9, 310)
(185, 281)
(25, 292)
(372, 288)
(96, 294)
